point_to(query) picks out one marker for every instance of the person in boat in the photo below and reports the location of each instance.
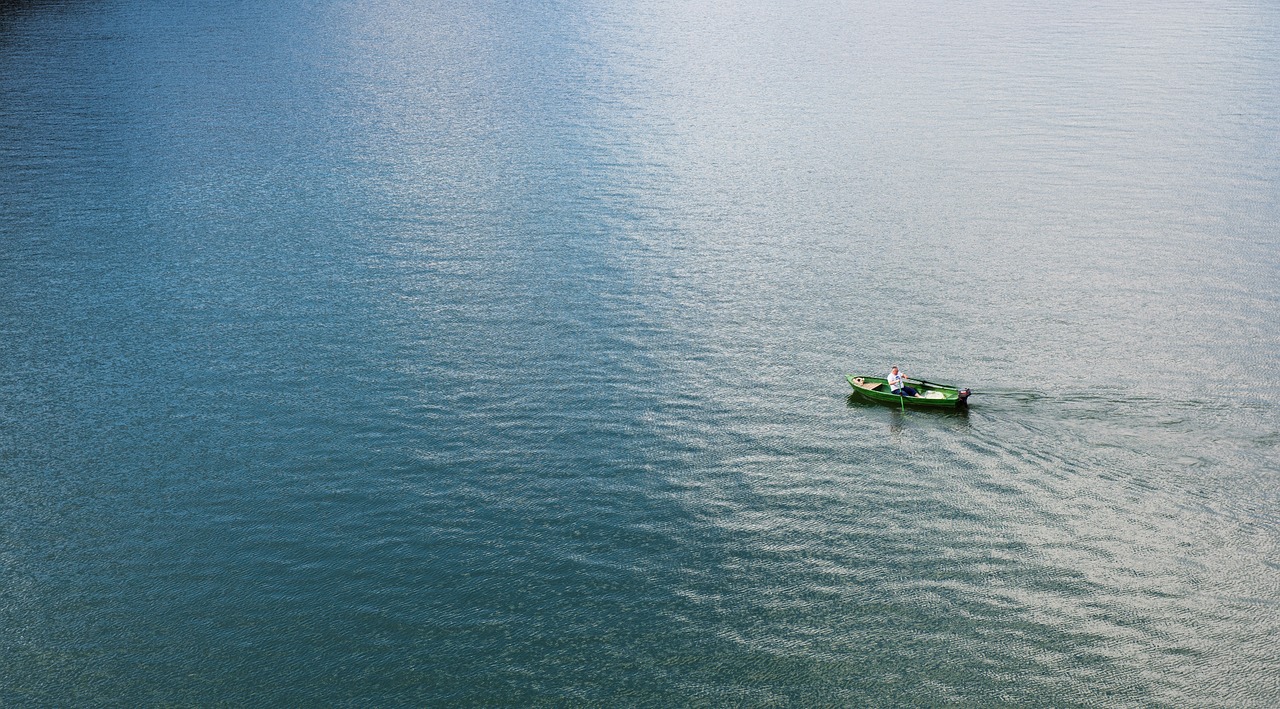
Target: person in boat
(897, 383)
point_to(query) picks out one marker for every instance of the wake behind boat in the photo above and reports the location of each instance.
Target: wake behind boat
(929, 395)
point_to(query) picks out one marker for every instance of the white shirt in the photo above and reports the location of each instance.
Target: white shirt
(895, 381)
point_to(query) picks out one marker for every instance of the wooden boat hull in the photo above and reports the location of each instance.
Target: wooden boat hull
(931, 396)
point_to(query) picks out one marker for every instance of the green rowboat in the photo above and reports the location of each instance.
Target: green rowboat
(930, 395)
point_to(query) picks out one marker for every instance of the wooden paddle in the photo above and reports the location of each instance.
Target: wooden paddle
(932, 384)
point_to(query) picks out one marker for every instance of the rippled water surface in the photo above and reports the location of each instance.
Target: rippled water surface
(491, 353)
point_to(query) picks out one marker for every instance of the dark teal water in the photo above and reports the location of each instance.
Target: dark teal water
(432, 354)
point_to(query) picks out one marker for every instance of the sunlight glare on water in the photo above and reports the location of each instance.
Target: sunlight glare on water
(446, 353)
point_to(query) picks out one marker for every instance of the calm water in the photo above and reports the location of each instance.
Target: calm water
(491, 353)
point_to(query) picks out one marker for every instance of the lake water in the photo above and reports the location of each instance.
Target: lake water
(492, 353)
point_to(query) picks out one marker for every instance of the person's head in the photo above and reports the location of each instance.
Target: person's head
(895, 368)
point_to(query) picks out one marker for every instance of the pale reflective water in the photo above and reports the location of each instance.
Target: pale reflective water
(407, 353)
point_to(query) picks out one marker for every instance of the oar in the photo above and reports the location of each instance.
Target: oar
(932, 384)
